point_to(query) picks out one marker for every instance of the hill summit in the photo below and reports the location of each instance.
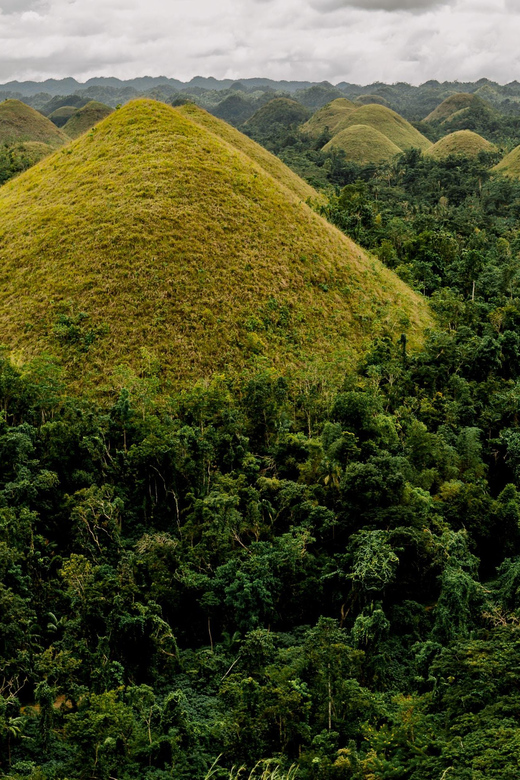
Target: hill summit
(462, 143)
(165, 238)
(363, 144)
(19, 122)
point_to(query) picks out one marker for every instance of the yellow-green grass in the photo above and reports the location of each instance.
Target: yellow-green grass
(34, 151)
(510, 164)
(19, 122)
(363, 144)
(462, 143)
(450, 106)
(387, 122)
(328, 117)
(257, 153)
(155, 244)
(85, 118)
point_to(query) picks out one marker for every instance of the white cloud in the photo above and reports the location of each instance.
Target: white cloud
(359, 41)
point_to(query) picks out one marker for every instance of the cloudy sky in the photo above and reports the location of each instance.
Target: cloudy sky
(360, 41)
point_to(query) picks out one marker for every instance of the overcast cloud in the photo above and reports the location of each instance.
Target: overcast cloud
(360, 41)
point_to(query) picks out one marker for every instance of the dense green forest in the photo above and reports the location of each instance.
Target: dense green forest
(265, 568)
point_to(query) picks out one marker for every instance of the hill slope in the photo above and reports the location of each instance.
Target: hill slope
(462, 143)
(154, 241)
(85, 118)
(363, 144)
(452, 105)
(254, 151)
(328, 117)
(510, 164)
(387, 122)
(19, 122)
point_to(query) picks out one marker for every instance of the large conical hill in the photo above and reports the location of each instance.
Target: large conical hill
(85, 118)
(397, 129)
(462, 143)
(363, 144)
(328, 118)
(510, 164)
(156, 243)
(19, 122)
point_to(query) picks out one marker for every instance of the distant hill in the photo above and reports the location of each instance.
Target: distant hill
(160, 243)
(235, 109)
(462, 143)
(363, 144)
(277, 114)
(318, 95)
(388, 122)
(452, 105)
(85, 118)
(61, 116)
(510, 164)
(365, 100)
(19, 122)
(329, 117)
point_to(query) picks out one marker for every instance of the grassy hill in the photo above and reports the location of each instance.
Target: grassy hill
(462, 143)
(62, 115)
(19, 122)
(280, 113)
(363, 144)
(510, 164)
(452, 105)
(85, 118)
(394, 127)
(271, 164)
(328, 117)
(160, 244)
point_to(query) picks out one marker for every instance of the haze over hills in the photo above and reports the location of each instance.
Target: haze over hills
(412, 102)
(166, 233)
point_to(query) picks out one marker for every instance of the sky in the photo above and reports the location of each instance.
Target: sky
(359, 41)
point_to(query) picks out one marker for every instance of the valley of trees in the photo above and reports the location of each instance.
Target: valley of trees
(265, 570)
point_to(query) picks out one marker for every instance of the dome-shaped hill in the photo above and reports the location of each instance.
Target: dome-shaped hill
(387, 122)
(154, 240)
(328, 117)
(19, 122)
(510, 164)
(278, 113)
(86, 117)
(363, 144)
(453, 104)
(62, 115)
(462, 143)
